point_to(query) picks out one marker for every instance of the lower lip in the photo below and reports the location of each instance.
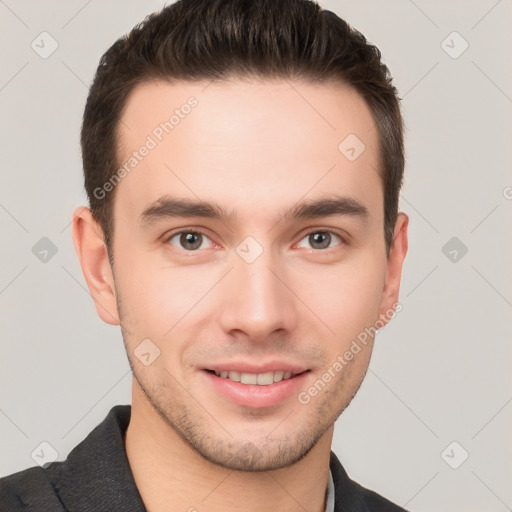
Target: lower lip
(254, 396)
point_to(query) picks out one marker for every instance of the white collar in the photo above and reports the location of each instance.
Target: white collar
(329, 494)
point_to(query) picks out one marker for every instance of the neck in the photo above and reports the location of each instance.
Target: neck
(170, 475)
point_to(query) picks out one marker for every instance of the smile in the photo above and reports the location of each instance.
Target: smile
(251, 387)
(259, 379)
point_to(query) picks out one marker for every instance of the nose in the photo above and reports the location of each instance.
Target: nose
(257, 300)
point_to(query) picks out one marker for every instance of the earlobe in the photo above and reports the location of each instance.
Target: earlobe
(397, 253)
(92, 254)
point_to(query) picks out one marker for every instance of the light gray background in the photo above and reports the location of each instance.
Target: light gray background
(440, 371)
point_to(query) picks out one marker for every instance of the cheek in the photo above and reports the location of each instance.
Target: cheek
(157, 299)
(154, 306)
(345, 297)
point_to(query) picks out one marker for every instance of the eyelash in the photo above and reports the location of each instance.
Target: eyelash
(314, 231)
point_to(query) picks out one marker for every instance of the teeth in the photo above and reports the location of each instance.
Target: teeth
(248, 378)
(264, 379)
(261, 379)
(278, 376)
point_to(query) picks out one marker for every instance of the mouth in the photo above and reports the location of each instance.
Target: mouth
(258, 379)
(256, 388)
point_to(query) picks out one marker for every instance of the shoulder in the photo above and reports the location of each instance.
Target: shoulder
(376, 502)
(30, 490)
(95, 476)
(350, 495)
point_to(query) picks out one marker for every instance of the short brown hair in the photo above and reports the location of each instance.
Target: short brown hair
(214, 39)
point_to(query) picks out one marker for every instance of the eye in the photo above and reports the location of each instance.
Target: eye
(321, 239)
(189, 240)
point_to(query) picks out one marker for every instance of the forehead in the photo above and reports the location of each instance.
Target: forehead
(246, 144)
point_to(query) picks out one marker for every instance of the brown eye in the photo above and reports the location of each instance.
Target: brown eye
(189, 240)
(321, 239)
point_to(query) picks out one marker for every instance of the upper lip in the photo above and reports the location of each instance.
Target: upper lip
(246, 367)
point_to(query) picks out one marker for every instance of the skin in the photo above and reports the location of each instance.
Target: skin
(254, 147)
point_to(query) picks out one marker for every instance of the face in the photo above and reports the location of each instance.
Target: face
(250, 302)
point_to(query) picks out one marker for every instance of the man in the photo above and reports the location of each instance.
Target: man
(243, 162)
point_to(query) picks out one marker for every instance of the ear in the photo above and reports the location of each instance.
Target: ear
(397, 253)
(92, 253)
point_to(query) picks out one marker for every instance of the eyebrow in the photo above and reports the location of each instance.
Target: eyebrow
(170, 207)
